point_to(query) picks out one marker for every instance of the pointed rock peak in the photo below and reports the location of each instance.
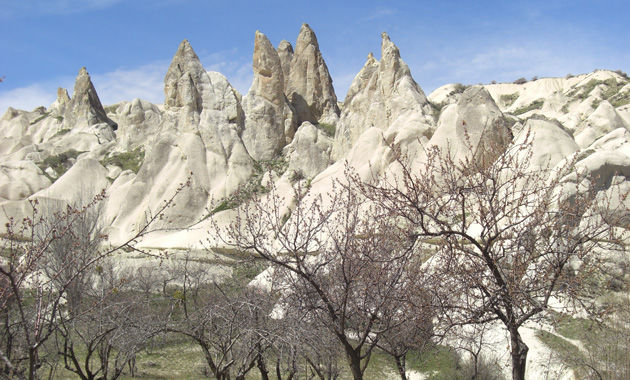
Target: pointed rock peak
(476, 95)
(182, 79)
(305, 38)
(285, 46)
(10, 113)
(309, 88)
(85, 102)
(268, 75)
(370, 58)
(389, 51)
(264, 54)
(285, 52)
(184, 50)
(62, 95)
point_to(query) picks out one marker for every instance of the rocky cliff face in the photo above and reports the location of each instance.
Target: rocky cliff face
(289, 122)
(385, 96)
(207, 133)
(474, 127)
(309, 87)
(270, 119)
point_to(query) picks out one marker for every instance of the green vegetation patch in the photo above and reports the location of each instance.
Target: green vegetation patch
(61, 132)
(328, 129)
(535, 105)
(45, 115)
(253, 186)
(126, 160)
(620, 99)
(508, 99)
(112, 108)
(610, 93)
(60, 163)
(437, 362)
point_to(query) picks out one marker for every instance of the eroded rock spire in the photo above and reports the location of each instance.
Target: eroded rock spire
(85, 106)
(269, 118)
(309, 87)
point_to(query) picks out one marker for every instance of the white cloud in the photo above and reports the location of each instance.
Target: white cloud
(144, 82)
(501, 63)
(236, 69)
(26, 98)
(380, 13)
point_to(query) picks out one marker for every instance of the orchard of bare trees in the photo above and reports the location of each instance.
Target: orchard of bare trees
(388, 266)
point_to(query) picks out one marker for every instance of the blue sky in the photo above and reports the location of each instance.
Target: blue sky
(127, 45)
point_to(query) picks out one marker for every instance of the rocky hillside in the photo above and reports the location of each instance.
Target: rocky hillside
(289, 127)
(290, 120)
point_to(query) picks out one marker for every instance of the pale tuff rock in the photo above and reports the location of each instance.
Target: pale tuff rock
(309, 87)
(385, 96)
(604, 166)
(285, 52)
(136, 123)
(79, 185)
(182, 80)
(59, 105)
(85, 109)
(199, 136)
(20, 179)
(268, 76)
(603, 120)
(550, 142)
(269, 118)
(14, 124)
(474, 125)
(309, 152)
(171, 162)
(204, 103)
(445, 95)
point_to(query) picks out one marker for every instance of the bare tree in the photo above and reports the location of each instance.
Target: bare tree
(101, 341)
(230, 322)
(34, 296)
(345, 262)
(510, 237)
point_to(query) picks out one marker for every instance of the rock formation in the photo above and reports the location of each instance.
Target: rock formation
(285, 52)
(269, 117)
(309, 152)
(383, 95)
(85, 108)
(309, 87)
(136, 123)
(603, 120)
(474, 125)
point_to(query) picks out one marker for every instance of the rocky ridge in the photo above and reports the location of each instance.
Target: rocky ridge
(290, 123)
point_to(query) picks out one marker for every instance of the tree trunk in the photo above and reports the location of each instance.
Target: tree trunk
(354, 360)
(32, 363)
(400, 364)
(264, 372)
(519, 355)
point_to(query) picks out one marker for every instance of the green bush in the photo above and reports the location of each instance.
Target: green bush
(45, 115)
(508, 99)
(61, 132)
(253, 186)
(535, 105)
(126, 160)
(60, 163)
(328, 129)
